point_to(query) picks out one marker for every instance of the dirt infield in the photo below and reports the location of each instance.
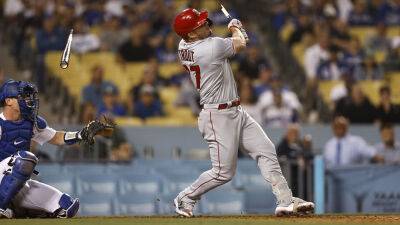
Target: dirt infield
(215, 220)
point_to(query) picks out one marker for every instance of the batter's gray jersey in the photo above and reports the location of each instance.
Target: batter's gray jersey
(207, 61)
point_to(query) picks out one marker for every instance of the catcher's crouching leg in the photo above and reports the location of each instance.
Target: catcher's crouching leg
(68, 207)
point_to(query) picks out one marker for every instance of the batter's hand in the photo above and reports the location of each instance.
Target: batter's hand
(235, 23)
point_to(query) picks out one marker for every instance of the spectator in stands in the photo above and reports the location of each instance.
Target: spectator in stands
(332, 68)
(356, 108)
(87, 113)
(387, 112)
(188, 95)
(341, 90)
(263, 83)
(136, 48)
(113, 34)
(253, 63)
(379, 41)
(147, 105)
(167, 52)
(111, 105)
(339, 34)
(379, 9)
(248, 100)
(346, 149)
(94, 90)
(289, 98)
(149, 77)
(303, 26)
(278, 113)
(292, 146)
(369, 70)
(50, 37)
(353, 57)
(359, 15)
(83, 40)
(296, 152)
(315, 54)
(389, 148)
(121, 149)
(393, 58)
(94, 12)
(393, 14)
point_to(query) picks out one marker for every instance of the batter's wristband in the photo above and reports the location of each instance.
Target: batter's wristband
(71, 138)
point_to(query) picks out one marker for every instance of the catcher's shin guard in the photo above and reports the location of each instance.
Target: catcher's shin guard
(68, 207)
(23, 165)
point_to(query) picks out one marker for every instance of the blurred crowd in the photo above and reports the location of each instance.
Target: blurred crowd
(333, 53)
(140, 31)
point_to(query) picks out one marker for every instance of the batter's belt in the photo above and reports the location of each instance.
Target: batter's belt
(222, 105)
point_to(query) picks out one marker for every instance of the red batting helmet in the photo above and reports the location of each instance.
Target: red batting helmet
(188, 20)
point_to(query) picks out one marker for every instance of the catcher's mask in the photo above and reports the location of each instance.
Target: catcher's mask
(27, 95)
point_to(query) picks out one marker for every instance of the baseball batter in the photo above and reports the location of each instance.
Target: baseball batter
(222, 122)
(19, 125)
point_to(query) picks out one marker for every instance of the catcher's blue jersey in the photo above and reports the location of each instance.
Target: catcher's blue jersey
(16, 135)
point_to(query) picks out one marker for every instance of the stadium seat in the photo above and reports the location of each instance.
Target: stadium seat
(96, 205)
(286, 31)
(362, 33)
(223, 202)
(167, 70)
(128, 121)
(371, 89)
(145, 183)
(136, 204)
(394, 79)
(325, 88)
(97, 183)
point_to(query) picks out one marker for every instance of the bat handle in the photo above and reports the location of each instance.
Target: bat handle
(246, 37)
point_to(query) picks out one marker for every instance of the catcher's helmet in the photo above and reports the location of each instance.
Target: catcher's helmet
(27, 95)
(188, 20)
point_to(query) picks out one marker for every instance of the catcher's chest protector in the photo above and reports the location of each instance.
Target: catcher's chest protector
(17, 135)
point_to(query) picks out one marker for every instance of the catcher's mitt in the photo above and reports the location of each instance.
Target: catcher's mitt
(96, 127)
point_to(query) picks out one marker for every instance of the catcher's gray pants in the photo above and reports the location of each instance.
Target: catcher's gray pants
(225, 131)
(34, 195)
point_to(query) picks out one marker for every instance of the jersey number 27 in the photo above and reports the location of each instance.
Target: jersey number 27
(195, 69)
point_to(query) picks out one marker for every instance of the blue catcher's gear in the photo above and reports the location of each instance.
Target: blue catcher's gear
(17, 135)
(27, 95)
(23, 165)
(68, 207)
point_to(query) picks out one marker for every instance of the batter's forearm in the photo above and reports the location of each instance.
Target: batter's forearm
(239, 41)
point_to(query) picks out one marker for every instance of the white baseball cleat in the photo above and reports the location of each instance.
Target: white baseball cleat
(183, 208)
(6, 213)
(297, 207)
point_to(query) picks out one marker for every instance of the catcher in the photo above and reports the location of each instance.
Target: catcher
(19, 125)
